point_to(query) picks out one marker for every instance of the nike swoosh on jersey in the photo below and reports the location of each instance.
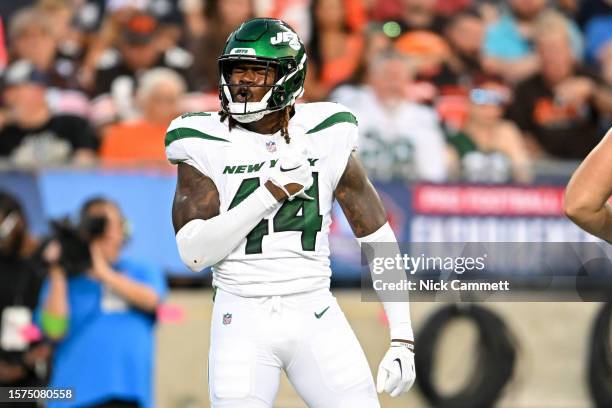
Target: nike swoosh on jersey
(318, 315)
(292, 168)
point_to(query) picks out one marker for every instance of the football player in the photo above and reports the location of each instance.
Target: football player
(256, 184)
(588, 192)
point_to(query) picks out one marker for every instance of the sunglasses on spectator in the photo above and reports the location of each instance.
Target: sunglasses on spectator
(481, 96)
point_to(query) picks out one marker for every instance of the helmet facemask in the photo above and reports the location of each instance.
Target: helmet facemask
(286, 71)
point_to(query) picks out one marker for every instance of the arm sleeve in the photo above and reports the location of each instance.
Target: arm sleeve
(398, 313)
(203, 243)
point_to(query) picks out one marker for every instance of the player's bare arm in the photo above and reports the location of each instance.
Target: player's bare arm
(196, 197)
(366, 215)
(359, 200)
(587, 194)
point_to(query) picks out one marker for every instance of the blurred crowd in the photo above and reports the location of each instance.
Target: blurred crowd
(444, 90)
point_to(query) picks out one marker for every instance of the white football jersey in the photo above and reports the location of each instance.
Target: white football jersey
(288, 252)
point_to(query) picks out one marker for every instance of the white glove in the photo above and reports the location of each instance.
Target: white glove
(293, 167)
(396, 372)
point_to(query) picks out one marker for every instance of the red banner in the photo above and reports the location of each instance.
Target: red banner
(488, 200)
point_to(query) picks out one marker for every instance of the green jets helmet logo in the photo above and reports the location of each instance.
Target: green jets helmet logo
(286, 37)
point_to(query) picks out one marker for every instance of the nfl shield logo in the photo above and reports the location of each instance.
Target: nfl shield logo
(271, 146)
(227, 318)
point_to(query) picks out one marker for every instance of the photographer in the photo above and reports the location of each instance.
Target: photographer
(20, 283)
(103, 316)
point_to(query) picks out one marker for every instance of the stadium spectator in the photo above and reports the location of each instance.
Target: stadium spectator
(375, 42)
(30, 134)
(3, 51)
(60, 13)
(595, 18)
(465, 33)
(296, 13)
(34, 36)
(598, 34)
(399, 139)
(90, 15)
(560, 108)
(194, 20)
(222, 17)
(604, 59)
(158, 97)
(589, 10)
(449, 8)
(454, 69)
(43, 35)
(102, 318)
(138, 50)
(431, 56)
(9, 8)
(605, 62)
(20, 281)
(335, 47)
(419, 15)
(508, 44)
(71, 35)
(490, 149)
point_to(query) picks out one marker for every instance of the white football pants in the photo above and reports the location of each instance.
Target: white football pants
(307, 335)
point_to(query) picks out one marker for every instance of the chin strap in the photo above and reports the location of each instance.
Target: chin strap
(246, 118)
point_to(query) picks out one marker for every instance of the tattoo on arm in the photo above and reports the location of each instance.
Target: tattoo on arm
(196, 197)
(359, 200)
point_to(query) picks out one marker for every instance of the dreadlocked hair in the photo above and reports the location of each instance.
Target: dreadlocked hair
(284, 122)
(224, 115)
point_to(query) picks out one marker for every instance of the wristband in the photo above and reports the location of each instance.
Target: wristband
(409, 344)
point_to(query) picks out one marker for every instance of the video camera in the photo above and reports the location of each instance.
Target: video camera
(74, 240)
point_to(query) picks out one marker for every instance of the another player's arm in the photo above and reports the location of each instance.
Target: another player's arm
(589, 189)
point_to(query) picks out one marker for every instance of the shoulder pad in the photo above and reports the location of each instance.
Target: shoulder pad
(318, 116)
(109, 59)
(178, 58)
(200, 125)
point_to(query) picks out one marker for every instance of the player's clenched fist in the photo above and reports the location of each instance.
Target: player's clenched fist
(292, 174)
(396, 372)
